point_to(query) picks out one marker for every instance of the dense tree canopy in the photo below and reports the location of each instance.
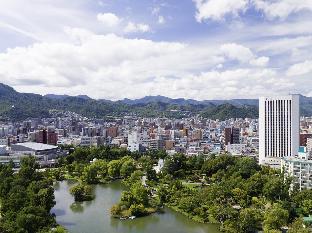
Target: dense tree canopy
(26, 199)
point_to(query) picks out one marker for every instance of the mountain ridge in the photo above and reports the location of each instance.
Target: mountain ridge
(20, 106)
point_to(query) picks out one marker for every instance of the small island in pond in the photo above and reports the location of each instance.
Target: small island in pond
(136, 202)
(82, 192)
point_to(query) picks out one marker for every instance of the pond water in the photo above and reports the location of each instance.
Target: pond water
(94, 217)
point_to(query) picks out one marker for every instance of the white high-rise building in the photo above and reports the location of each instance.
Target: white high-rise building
(278, 128)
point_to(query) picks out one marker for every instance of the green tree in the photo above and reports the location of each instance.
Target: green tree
(114, 168)
(175, 165)
(32, 219)
(275, 218)
(89, 174)
(137, 210)
(250, 220)
(307, 207)
(140, 194)
(102, 168)
(81, 192)
(115, 210)
(298, 227)
(275, 188)
(127, 168)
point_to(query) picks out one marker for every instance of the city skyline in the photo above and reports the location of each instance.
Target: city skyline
(131, 49)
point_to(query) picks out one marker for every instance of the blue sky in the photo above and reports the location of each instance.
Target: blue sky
(115, 49)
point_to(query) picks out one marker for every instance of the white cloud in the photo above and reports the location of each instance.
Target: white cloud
(161, 19)
(64, 49)
(134, 68)
(217, 9)
(155, 10)
(261, 61)
(108, 19)
(300, 69)
(136, 27)
(282, 8)
(237, 52)
(44, 20)
(243, 54)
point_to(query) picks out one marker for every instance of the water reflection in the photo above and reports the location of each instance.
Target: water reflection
(77, 207)
(93, 216)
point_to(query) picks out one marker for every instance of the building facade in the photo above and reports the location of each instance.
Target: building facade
(278, 128)
(299, 168)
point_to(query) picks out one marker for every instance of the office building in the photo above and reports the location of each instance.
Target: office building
(278, 128)
(231, 135)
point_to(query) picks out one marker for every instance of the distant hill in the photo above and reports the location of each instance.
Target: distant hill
(61, 97)
(181, 101)
(19, 106)
(227, 110)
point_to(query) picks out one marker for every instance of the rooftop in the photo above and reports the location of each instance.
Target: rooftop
(37, 146)
(296, 159)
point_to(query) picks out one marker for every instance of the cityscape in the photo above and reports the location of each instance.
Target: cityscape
(191, 116)
(280, 138)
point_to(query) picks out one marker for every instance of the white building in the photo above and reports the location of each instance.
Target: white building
(309, 145)
(278, 128)
(300, 168)
(88, 141)
(137, 139)
(236, 149)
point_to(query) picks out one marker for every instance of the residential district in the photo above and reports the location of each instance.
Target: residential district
(280, 138)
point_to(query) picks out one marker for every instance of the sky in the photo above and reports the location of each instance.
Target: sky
(116, 49)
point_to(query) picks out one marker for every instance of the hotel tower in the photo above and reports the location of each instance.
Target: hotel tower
(278, 128)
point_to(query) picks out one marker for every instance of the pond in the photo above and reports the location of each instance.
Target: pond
(94, 217)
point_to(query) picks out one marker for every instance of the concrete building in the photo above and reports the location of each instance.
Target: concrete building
(137, 140)
(309, 145)
(231, 135)
(156, 144)
(88, 141)
(304, 137)
(4, 141)
(278, 128)
(33, 148)
(300, 168)
(112, 131)
(3, 150)
(236, 149)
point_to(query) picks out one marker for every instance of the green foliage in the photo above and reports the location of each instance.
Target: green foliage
(214, 165)
(276, 188)
(238, 193)
(27, 198)
(303, 201)
(82, 192)
(127, 168)
(32, 105)
(226, 111)
(137, 210)
(137, 202)
(175, 165)
(298, 227)
(250, 220)
(115, 210)
(275, 218)
(114, 168)
(90, 174)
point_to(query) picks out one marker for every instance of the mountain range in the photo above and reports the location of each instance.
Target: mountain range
(19, 106)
